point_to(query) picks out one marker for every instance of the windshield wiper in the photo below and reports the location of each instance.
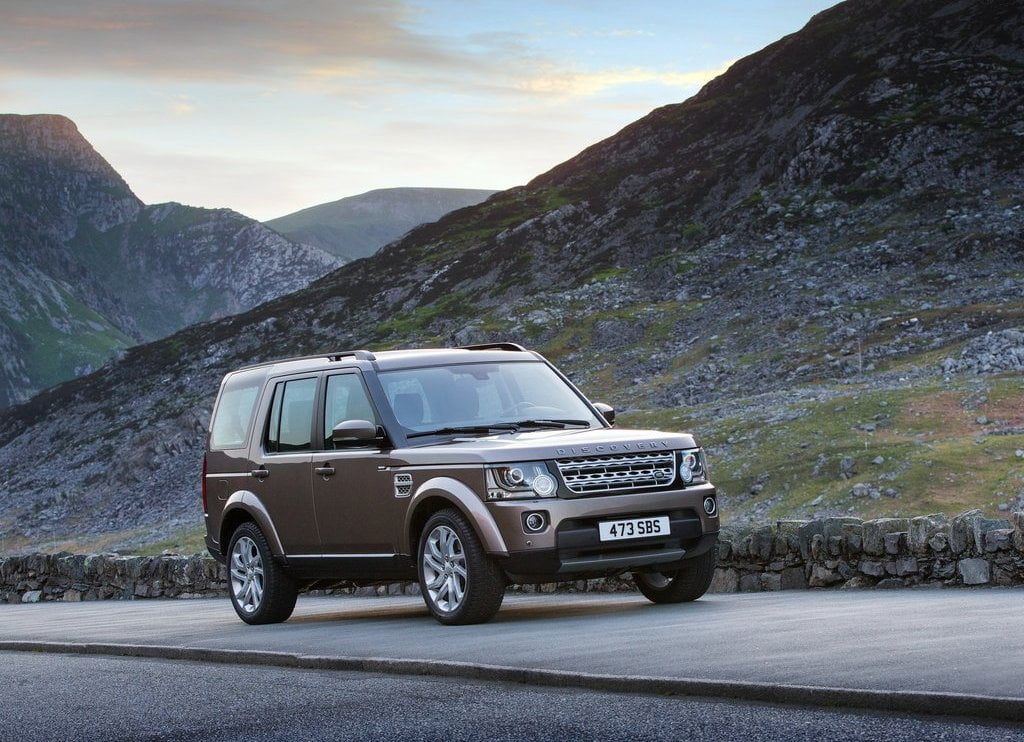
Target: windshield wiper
(472, 429)
(511, 427)
(551, 423)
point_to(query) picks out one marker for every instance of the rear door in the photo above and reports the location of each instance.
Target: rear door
(282, 478)
(357, 512)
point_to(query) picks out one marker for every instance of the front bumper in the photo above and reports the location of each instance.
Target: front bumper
(570, 546)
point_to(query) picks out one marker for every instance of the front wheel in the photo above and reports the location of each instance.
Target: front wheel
(459, 582)
(260, 590)
(682, 585)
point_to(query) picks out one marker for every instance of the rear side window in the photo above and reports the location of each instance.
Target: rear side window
(233, 417)
(289, 427)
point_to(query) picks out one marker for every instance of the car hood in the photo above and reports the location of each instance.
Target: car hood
(536, 445)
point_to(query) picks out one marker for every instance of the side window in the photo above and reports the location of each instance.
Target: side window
(231, 421)
(291, 416)
(345, 399)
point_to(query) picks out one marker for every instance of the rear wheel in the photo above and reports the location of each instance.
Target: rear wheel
(682, 585)
(260, 590)
(459, 582)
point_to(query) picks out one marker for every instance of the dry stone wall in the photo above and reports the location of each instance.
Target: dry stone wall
(74, 577)
(968, 549)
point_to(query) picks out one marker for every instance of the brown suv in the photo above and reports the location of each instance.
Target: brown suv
(462, 468)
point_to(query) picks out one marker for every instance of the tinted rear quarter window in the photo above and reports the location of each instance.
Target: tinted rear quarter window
(233, 416)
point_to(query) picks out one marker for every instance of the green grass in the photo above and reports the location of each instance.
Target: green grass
(692, 231)
(54, 354)
(417, 321)
(608, 274)
(658, 321)
(186, 541)
(935, 454)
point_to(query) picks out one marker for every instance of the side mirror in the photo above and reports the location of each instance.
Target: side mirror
(354, 431)
(607, 411)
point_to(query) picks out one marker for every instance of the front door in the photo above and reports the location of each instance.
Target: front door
(282, 477)
(357, 512)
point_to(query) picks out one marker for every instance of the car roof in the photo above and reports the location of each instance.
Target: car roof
(390, 360)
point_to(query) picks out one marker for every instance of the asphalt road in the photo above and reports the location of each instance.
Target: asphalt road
(59, 697)
(952, 641)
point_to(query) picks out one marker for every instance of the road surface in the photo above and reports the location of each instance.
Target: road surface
(53, 698)
(947, 641)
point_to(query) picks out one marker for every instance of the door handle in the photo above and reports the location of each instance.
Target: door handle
(261, 473)
(324, 471)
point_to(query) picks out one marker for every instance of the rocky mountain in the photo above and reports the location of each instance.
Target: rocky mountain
(358, 226)
(91, 270)
(802, 263)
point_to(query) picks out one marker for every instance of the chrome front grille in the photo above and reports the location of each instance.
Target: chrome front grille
(618, 472)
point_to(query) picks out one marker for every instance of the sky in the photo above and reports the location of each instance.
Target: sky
(267, 107)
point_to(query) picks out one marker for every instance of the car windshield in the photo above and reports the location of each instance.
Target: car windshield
(478, 398)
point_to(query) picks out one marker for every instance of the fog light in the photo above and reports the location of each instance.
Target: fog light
(535, 522)
(710, 506)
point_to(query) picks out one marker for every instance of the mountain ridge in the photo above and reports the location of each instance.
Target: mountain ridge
(357, 226)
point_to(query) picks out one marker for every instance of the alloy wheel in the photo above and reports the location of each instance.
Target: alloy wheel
(444, 569)
(247, 578)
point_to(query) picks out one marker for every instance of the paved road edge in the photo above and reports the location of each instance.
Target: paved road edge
(913, 702)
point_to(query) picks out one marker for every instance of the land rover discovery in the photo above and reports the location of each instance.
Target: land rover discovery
(466, 469)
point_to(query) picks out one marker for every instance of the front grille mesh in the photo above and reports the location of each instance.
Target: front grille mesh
(619, 472)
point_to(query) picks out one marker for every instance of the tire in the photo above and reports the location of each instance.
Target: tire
(679, 586)
(455, 596)
(260, 590)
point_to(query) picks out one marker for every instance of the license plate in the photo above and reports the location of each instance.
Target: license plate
(614, 530)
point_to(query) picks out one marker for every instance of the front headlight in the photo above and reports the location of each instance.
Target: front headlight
(519, 481)
(693, 466)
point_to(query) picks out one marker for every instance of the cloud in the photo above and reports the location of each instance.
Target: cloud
(221, 40)
(576, 84)
(181, 106)
(362, 52)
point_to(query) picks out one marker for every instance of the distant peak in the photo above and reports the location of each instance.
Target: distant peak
(55, 140)
(42, 125)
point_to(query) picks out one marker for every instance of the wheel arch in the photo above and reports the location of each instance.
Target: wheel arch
(246, 506)
(444, 492)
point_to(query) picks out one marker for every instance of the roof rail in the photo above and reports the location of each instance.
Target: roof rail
(359, 355)
(494, 346)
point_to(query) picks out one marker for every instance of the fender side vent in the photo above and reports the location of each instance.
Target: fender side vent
(403, 485)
